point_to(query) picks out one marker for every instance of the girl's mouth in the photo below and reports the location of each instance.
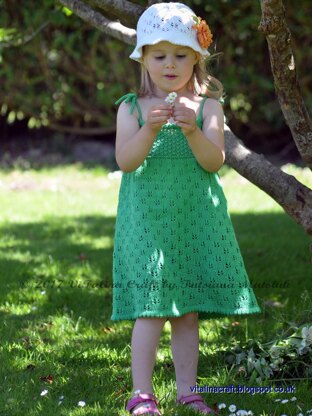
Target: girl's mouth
(171, 76)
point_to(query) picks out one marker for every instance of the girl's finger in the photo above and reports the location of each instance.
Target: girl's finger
(157, 120)
(181, 114)
(161, 107)
(184, 119)
(161, 112)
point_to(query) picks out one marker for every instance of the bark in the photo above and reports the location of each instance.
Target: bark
(294, 197)
(273, 25)
(126, 11)
(96, 19)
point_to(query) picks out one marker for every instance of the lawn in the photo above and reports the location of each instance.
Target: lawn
(60, 352)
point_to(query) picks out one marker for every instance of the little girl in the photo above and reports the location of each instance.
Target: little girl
(175, 254)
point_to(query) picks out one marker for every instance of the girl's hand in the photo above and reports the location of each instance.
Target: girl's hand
(158, 116)
(185, 118)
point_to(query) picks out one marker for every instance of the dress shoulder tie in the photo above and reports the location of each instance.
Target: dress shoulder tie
(132, 98)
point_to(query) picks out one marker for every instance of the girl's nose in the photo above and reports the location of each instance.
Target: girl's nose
(170, 62)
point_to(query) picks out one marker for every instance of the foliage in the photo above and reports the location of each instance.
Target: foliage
(71, 73)
(244, 66)
(288, 358)
(66, 77)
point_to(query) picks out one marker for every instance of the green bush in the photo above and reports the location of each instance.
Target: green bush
(68, 75)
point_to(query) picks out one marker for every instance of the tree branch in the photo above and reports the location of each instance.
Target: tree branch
(115, 29)
(293, 196)
(125, 10)
(273, 25)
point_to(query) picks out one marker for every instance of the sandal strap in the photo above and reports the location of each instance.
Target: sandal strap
(199, 403)
(141, 398)
(190, 399)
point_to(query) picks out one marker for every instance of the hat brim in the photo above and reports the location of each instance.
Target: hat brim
(137, 53)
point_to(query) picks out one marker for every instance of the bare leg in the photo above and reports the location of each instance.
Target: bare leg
(145, 338)
(185, 350)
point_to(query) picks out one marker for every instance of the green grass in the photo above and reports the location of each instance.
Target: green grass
(56, 242)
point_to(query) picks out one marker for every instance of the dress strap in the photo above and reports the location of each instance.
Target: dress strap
(133, 98)
(200, 117)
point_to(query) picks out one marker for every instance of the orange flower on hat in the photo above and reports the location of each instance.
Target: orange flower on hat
(204, 35)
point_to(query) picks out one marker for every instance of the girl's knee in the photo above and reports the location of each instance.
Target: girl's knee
(187, 320)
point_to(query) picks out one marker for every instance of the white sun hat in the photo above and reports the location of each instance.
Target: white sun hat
(171, 22)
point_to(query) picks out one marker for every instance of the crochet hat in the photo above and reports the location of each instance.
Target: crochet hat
(174, 23)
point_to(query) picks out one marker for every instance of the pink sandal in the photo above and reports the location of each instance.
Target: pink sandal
(197, 403)
(148, 409)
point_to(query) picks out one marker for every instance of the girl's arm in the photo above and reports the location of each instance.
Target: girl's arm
(208, 144)
(133, 142)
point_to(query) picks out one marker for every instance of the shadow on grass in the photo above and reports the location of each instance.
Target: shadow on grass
(52, 256)
(274, 249)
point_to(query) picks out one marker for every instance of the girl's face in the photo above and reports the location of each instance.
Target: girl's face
(170, 66)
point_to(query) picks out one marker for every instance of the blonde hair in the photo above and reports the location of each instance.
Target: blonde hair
(201, 82)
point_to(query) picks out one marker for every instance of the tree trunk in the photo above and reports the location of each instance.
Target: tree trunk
(273, 26)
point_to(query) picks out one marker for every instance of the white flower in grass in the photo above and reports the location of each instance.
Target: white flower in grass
(300, 414)
(277, 400)
(242, 412)
(232, 414)
(44, 392)
(81, 403)
(293, 399)
(284, 401)
(250, 413)
(222, 406)
(283, 415)
(232, 408)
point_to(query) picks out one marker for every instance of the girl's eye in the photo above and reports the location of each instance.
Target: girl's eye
(159, 57)
(181, 56)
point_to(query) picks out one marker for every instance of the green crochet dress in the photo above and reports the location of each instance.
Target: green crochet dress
(175, 250)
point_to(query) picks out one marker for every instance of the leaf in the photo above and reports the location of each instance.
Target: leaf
(58, 18)
(67, 11)
(240, 357)
(257, 365)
